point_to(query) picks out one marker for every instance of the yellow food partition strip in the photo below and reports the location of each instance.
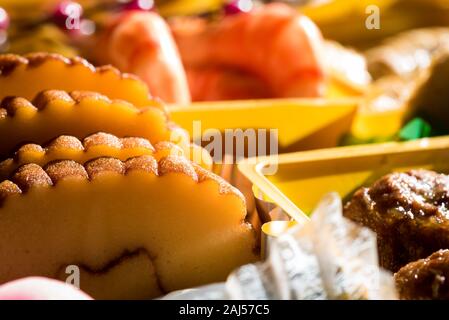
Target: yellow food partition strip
(366, 123)
(329, 11)
(304, 177)
(188, 7)
(313, 114)
(340, 87)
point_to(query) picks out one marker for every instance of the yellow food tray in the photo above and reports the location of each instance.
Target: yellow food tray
(303, 178)
(301, 123)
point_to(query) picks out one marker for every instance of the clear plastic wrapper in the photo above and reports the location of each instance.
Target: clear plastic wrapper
(328, 257)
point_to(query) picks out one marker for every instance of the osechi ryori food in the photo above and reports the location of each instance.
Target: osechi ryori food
(426, 278)
(409, 213)
(239, 56)
(136, 229)
(108, 186)
(96, 176)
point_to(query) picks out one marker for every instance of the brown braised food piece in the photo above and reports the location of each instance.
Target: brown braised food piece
(408, 211)
(425, 279)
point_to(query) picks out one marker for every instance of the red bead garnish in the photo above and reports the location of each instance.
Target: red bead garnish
(141, 5)
(238, 6)
(86, 28)
(4, 19)
(68, 15)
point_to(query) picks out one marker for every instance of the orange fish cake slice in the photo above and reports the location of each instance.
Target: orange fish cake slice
(138, 228)
(53, 113)
(26, 76)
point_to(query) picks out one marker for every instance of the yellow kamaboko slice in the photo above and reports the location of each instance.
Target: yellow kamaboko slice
(138, 228)
(26, 76)
(53, 113)
(94, 146)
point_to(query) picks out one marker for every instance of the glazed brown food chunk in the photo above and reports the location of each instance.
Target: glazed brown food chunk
(408, 211)
(425, 279)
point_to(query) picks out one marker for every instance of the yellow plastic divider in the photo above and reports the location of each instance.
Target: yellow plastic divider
(295, 119)
(303, 178)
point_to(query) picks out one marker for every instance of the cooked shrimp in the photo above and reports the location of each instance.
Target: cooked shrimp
(273, 43)
(141, 43)
(215, 84)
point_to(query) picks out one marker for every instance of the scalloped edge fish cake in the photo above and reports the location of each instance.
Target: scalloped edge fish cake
(80, 113)
(26, 76)
(97, 145)
(166, 224)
